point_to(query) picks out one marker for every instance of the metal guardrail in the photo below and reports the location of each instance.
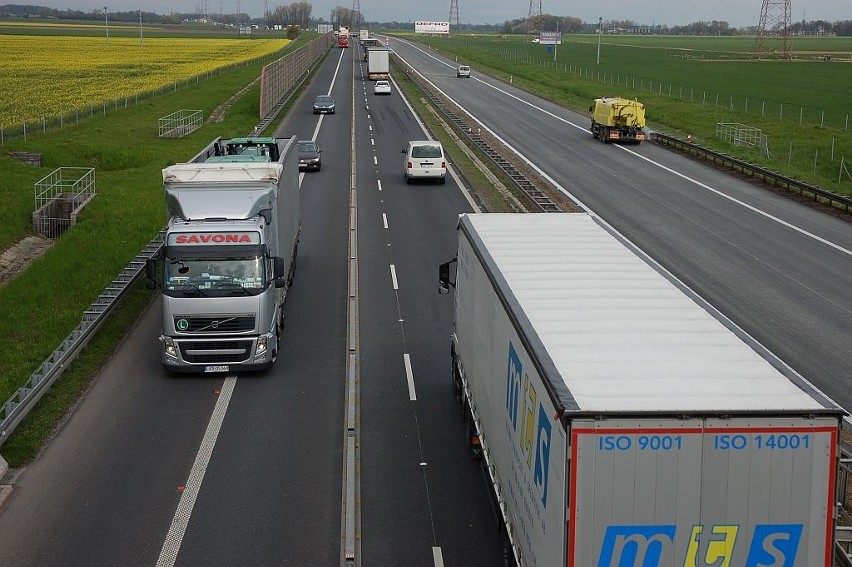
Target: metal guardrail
(757, 172)
(25, 398)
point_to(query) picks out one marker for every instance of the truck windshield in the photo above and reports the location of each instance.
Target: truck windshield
(213, 276)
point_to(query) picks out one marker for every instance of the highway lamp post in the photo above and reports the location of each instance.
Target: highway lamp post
(106, 23)
(600, 31)
(140, 28)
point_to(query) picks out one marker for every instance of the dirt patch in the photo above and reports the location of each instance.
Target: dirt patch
(218, 113)
(17, 257)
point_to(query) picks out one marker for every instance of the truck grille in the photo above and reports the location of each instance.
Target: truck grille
(215, 352)
(224, 324)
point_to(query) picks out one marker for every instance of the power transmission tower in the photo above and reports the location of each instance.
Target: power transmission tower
(455, 24)
(534, 16)
(774, 23)
(356, 15)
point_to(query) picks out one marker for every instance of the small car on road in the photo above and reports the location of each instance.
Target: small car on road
(324, 104)
(463, 71)
(382, 87)
(310, 155)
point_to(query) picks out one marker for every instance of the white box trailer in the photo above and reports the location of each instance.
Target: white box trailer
(378, 63)
(623, 421)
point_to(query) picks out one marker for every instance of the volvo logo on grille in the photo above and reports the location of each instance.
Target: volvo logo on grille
(214, 324)
(182, 324)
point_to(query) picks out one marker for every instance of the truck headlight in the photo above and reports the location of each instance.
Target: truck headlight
(169, 346)
(261, 346)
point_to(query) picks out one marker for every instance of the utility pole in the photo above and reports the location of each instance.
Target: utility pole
(106, 23)
(600, 31)
(556, 45)
(140, 27)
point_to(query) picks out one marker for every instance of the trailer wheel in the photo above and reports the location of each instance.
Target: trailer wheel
(292, 273)
(470, 428)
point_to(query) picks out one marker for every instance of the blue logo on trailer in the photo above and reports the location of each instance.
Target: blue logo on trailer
(513, 386)
(534, 436)
(772, 545)
(635, 546)
(542, 453)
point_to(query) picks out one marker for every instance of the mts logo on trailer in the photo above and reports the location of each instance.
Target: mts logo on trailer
(772, 545)
(529, 421)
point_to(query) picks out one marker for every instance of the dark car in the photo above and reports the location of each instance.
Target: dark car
(324, 104)
(310, 155)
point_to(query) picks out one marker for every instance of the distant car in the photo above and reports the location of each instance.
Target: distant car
(463, 71)
(382, 87)
(424, 159)
(324, 104)
(310, 155)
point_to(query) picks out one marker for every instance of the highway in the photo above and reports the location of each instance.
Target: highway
(778, 269)
(261, 456)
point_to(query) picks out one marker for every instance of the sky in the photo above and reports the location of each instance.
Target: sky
(738, 13)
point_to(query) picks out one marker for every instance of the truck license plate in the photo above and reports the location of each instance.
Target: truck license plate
(216, 368)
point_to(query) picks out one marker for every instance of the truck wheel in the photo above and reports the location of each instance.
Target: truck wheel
(603, 134)
(457, 387)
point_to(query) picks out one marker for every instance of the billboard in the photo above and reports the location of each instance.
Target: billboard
(431, 27)
(550, 38)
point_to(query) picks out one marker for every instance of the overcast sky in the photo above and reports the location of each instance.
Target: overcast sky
(738, 13)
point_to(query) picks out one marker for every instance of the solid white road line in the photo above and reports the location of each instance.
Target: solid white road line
(180, 521)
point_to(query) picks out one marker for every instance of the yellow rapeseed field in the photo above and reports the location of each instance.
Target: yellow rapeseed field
(47, 76)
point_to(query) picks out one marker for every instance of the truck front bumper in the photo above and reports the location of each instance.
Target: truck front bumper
(217, 354)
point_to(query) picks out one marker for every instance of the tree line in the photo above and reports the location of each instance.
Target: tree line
(301, 14)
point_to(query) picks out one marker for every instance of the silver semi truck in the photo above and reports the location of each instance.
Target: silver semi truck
(229, 254)
(623, 421)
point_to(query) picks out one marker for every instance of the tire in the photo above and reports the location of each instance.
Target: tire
(443, 180)
(408, 180)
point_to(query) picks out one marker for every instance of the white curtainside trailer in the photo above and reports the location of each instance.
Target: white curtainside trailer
(622, 420)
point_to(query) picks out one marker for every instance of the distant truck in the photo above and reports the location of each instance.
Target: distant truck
(368, 44)
(378, 63)
(363, 34)
(229, 254)
(343, 37)
(621, 419)
(616, 119)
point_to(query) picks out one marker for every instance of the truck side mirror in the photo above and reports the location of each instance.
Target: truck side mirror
(280, 272)
(444, 281)
(151, 274)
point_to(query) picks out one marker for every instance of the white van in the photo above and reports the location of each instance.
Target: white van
(463, 71)
(424, 159)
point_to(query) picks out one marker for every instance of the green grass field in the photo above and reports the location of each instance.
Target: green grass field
(691, 84)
